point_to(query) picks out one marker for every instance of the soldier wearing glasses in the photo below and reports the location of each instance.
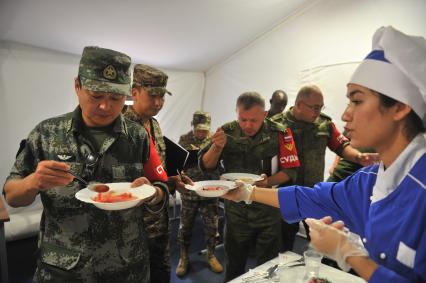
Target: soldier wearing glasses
(313, 132)
(79, 242)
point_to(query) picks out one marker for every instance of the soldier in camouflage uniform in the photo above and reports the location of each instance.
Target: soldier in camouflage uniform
(256, 145)
(197, 138)
(313, 132)
(342, 168)
(278, 102)
(149, 88)
(79, 242)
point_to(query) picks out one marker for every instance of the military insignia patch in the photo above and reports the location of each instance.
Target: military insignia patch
(109, 72)
(289, 146)
(64, 157)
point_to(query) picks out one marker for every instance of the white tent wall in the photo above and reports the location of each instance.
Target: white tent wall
(321, 45)
(37, 83)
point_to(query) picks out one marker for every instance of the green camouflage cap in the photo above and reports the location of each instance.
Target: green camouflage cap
(151, 79)
(201, 120)
(105, 70)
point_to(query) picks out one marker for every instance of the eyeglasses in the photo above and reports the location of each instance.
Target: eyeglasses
(314, 107)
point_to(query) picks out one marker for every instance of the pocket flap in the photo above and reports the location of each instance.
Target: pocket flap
(58, 256)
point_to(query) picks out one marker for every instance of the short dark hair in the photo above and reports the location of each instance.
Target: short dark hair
(278, 91)
(413, 123)
(250, 99)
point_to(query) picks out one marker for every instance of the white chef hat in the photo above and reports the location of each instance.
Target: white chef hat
(397, 68)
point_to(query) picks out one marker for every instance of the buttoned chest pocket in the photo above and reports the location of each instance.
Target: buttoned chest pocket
(127, 172)
(64, 197)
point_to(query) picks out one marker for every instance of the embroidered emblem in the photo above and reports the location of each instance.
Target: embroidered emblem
(64, 157)
(110, 72)
(289, 146)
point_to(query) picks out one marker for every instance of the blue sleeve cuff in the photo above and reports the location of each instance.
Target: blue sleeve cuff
(383, 274)
(288, 204)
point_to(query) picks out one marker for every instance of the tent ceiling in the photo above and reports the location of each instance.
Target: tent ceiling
(176, 34)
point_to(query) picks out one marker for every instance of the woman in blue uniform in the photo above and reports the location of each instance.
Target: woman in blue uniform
(385, 203)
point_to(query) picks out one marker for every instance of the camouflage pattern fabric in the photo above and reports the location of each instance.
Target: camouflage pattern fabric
(209, 214)
(79, 242)
(190, 142)
(191, 202)
(345, 168)
(201, 120)
(256, 222)
(105, 70)
(157, 224)
(151, 79)
(311, 142)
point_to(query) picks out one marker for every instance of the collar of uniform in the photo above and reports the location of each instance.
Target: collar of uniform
(290, 116)
(132, 115)
(77, 123)
(388, 180)
(257, 138)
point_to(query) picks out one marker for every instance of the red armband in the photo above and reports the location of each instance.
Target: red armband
(153, 168)
(336, 139)
(288, 153)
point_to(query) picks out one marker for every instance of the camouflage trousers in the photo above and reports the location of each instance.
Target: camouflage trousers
(159, 255)
(209, 214)
(158, 229)
(85, 272)
(243, 233)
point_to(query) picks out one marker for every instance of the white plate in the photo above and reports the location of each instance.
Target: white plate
(141, 192)
(245, 177)
(199, 187)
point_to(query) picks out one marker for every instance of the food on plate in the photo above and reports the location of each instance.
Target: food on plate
(213, 188)
(113, 197)
(101, 188)
(247, 180)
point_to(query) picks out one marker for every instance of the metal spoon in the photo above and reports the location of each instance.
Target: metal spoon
(78, 177)
(94, 187)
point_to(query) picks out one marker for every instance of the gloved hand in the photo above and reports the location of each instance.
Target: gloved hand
(334, 243)
(241, 193)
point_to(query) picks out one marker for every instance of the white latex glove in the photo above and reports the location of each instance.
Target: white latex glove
(241, 193)
(334, 243)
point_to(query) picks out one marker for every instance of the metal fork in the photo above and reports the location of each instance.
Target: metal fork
(296, 261)
(262, 276)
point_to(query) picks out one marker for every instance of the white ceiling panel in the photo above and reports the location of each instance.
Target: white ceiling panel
(175, 34)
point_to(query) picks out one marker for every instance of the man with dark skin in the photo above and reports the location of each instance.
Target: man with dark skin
(278, 102)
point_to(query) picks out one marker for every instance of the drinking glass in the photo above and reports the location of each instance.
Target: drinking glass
(312, 263)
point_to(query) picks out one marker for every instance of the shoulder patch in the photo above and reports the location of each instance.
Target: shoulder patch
(276, 126)
(230, 126)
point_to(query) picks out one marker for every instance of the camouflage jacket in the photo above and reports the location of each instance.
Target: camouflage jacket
(157, 224)
(70, 230)
(242, 154)
(311, 142)
(190, 143)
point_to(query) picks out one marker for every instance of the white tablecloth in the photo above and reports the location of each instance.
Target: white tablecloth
(332, 274)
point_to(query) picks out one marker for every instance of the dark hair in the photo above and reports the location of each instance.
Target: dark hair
(277, 92)
(413, 123)
(250, 99)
